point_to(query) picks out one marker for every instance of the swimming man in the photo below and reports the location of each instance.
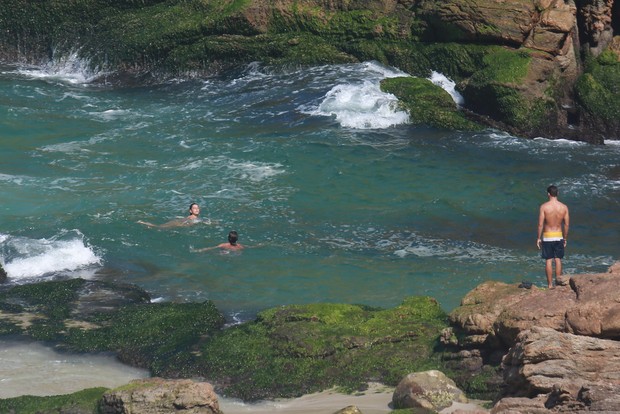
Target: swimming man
(232, 244)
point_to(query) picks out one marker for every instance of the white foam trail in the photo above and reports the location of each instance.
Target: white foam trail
(69, 69)
(362, 106)
(455, 250)
(560, 142)
(448, 85)
(73, 146)
(258, 171)
(31, 258)
(613, 142)
(382, 70)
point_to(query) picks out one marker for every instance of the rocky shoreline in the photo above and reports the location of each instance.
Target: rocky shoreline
(526, 349)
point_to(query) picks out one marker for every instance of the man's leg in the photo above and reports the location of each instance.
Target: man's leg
(558, 267)
(549, 272)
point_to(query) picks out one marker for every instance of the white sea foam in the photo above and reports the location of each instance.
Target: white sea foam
(258, 171)
(111, 114)
(15, 179)
(448, 85)
(454, 250)
(70, 69)
(26, 258)
(73, 146)
(361, 106)
(560, 142)
(614, 142)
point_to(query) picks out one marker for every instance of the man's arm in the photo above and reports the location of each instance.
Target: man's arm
(541, 224)
(566, 225)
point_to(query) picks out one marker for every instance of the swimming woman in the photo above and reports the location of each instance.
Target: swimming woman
(194, 212)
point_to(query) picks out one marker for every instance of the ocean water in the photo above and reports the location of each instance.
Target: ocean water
(337, 197)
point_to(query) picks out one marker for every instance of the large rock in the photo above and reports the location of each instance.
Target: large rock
(595, 18)
(544, 358)
(494, 313)
(574, 372)
(160, 396)
(542, 308)
(480, 309)
(598, 310)
(427, 391)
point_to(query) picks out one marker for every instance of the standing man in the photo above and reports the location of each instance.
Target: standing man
(553, 223)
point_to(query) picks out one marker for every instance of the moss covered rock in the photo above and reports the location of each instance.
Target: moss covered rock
(497, 90)
(427, 103)
(157, 336)
(598, 94)
(293, 350)
(81, 402)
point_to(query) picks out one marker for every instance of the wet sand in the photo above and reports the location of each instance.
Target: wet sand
(30, 368)
(376, 400)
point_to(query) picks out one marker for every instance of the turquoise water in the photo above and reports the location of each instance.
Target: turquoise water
(339, 199)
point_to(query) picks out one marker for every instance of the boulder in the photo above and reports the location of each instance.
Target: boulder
(428, 391)
(161, 396)
(598, 310)
(493, 314)
(3, 274)
(541, 308)
(481, 307)
(351, 409)
(544, 360)
(520, 406)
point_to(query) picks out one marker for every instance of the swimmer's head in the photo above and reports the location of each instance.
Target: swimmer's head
(233, 237)
(194, 209)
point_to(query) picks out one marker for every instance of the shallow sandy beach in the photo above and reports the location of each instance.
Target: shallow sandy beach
(375, 400)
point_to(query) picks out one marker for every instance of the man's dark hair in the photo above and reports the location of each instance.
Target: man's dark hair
(233, 237)
(552, 190)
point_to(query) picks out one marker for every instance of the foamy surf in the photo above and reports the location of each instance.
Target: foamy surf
(67, 69)
(448, 85)
(362, 106)
(24, 258)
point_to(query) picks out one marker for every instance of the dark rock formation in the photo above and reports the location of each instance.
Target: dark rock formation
(3, 274)
(532, 67)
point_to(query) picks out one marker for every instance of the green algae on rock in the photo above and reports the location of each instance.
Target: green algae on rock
(294, 350)
(81, 402)
(427, 103)
(157, 336)
(598, 92)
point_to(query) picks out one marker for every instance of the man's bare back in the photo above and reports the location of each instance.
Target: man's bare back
(552, 215)
(553, 223)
